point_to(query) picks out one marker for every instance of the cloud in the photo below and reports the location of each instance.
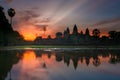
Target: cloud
(27, 15)
(31, 16)
(45, 20)
(108, 21)
(25, 19)
(41, 27)
(8, 1)
(108, 25)
(32, 23)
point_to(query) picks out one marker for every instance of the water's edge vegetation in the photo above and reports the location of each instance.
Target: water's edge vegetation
(115, 47)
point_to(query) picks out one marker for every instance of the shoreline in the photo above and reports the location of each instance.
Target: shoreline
(60, 47)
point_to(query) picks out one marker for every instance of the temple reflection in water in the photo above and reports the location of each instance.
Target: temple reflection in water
(24, 62)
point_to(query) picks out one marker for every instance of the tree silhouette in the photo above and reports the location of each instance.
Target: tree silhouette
(4, 25)
(112, 34)
(49, 37)
(118, 36)
(5, 28)
(59, 35)
(7, 61)
(11, 13)
(96, 33)
(44, 29)
(7, 35)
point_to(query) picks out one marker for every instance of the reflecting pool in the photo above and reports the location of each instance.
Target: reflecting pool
(31, 64)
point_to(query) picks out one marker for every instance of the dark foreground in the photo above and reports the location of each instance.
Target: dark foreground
(59, 64)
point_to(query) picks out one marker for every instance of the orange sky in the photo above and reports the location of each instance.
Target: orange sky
(30, 35)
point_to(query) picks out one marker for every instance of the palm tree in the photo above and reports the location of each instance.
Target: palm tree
(96, 33)
(44, 29)
(11, 13)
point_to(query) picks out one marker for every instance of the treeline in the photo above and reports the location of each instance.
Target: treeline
(7, 35)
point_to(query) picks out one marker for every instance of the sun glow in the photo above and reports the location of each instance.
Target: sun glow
(29, 37)
(31, 33)
(32, 37)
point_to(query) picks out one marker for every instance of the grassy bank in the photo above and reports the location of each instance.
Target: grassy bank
(57, 46)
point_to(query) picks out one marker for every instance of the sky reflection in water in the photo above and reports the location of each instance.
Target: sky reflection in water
(47, 65)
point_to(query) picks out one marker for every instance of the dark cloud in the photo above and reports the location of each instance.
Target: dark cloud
(108, 25)
(26, 16)
(108, 21)
(29, 17)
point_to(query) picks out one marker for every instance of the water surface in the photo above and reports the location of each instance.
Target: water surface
(31, 64)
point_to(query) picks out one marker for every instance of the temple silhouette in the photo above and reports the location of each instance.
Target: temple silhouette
(76, 38)
(10, 37)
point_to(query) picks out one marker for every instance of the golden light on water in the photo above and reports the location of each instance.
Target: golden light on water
(29, 60)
